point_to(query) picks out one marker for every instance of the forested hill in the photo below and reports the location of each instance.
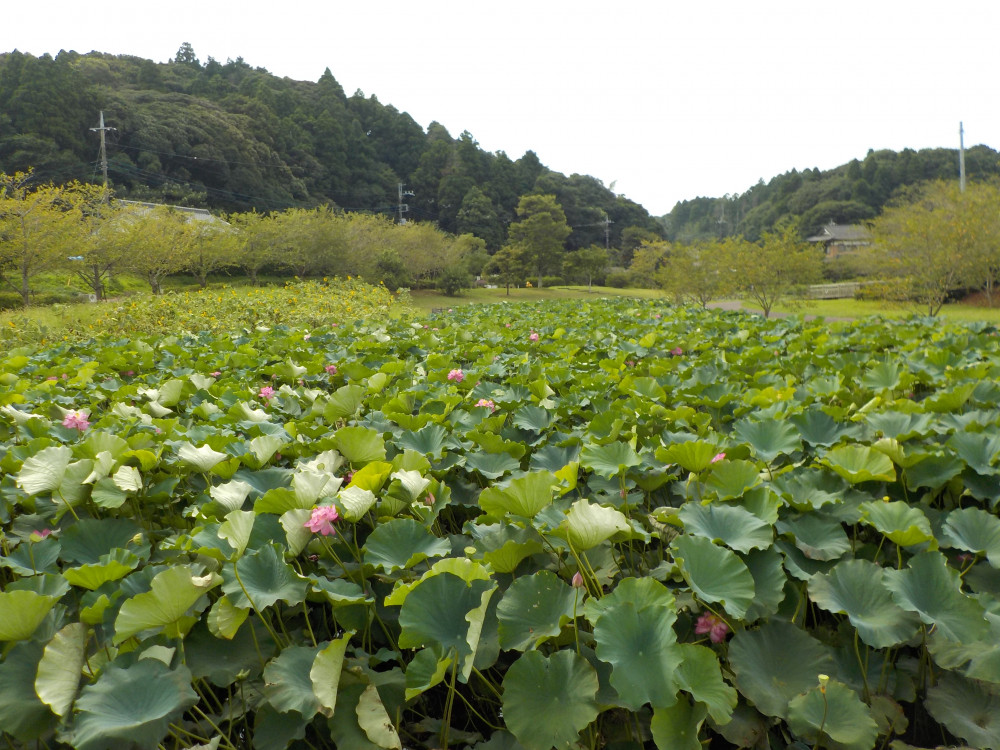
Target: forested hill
(234, 138)
(847, 194)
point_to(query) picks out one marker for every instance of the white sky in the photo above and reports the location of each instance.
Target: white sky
(668, 99)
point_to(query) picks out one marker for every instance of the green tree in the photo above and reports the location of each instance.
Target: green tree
(933, 242)
(771, 270)
(541, 232)
(100, 252)
(586, 264)
(477, 216)
(698, 273)
(153, 239)
(40, 227)
(257, 239)
(647, 260)
(508, 265)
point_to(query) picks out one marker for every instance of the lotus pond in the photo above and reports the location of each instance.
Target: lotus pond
(582, 524)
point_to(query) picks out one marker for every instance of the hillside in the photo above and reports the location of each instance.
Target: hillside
(233, 138)
(847, 194)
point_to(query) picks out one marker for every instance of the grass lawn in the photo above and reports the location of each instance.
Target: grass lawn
(429, 299)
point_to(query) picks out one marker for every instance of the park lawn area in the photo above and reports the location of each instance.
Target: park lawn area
(430, 299)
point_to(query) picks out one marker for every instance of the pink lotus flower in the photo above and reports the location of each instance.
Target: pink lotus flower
(429, 500)
(457, 375)
(322, 519)
(331, 369)
(677, 351)
(76, 420)
(307, 337)
(267, 393)
(718, 457)
(533, 336)
(577, 581)
(488, 403)
(714, 626)
(37, 536)
(215, 374)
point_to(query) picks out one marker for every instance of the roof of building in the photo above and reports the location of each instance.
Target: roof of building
(842, 233)
(195, 214)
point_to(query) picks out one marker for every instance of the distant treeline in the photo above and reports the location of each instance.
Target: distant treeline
(236, 138)
(851, 193)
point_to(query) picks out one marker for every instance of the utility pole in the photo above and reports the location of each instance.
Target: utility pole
(607, 231)
(961, 158)
(403, 208)
(104, 151)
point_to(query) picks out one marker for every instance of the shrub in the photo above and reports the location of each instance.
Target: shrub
(617, 279)
(453, 280)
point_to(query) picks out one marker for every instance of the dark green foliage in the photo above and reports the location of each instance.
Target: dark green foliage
(236, 138)
(453, 280)
(849, 194)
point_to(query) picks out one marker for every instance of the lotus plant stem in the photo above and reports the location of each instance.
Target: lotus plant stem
(449, 702)
(488, 683)
(309, 627)
(863, 665)
(472, 708)
(212, 724)
(69, 507)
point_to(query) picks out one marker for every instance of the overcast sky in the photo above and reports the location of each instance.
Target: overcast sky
(665, 100)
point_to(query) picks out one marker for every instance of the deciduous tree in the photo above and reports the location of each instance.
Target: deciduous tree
(541, 233)
(768, 271)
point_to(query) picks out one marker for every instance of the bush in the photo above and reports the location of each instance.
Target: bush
(617, 279)
(552, 281)
(10, 301)
(454, 279)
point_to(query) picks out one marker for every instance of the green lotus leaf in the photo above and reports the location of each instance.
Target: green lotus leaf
(492, 465)
(715, 573)
(133, 706)
(967, 708)
(288, 685)
(504, 547)
(312, 486)
(860, 463)
(588, 524)
(89, 539)
(934, 591)
(128, 479)
(775, 663)
(21, 612)
(817, 535)
(807, 490)
(900, 425)
(932, 471)
(435, 612)
(426, 669)
(372, 476)
(901, 522)
(402, 543)
(701, 676)
(60, 668)
(236, 529)
(817, 427)
(34, 557)
(609, 460)
(411, 483)
(265, 578)
(735, 527)
(534, 609)
(324, 674)
(547, 701)
(204, 458)
(768, 439)
(974, 530)
(374, 720)
(676, 727)
(22, 713)
(297, 535)
(359, 445)
(264, 446)
(44, 471)
(524, 496)
(111, 567)
(642, 386)
(641, 647)
(106, 494)
(224, 619)
(694, 455)
(103, 464)
(769, 579)
(533, 418)
(172, 593)
(428, 441)
(979, 450)
(883, 376)
(837, 718)
(731, 479)
(344, 402)
(356, 502)
(855, 588)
